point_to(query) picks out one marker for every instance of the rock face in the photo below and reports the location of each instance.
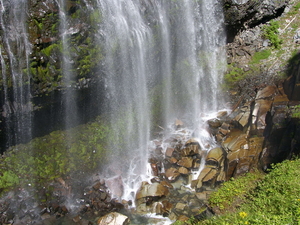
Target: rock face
(258, 134)
(292, 83)
(241, 14)
(254, 135)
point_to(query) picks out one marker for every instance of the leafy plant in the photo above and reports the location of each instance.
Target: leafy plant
(271, 32)
(234, 75)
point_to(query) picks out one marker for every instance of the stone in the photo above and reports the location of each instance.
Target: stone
(180, 206)
(267, 92)
(214, 123)
(183, 170)
(152, 190)
(178, 123)
(169, 152)
(113, 218)
(192, 147)
(186, 162)
(201, 196)
(215, 156)
(172, 174)
(222, 114)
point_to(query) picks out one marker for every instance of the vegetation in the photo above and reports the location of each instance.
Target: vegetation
(258, 56)
(296, 111)
(256, 198)
(234, 75)
(56, 155)
(271, 32)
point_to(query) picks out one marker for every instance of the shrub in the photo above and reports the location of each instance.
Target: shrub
(271, 32)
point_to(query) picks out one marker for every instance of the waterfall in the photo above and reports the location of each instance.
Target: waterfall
(15, 93)
(162, 60)
(164, 56)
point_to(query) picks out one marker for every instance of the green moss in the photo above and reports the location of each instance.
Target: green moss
(55, 155)
(8, 180)
(258, 56)
(296, 112)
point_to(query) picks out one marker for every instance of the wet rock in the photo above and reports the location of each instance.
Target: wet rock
(186, 162)
(222, 114)
(214, 123)
(172, 174)
(215, 157)
(113, 218)
(244, 115)
(178, 124)
(183, 170)
(151, 190)
(169, 152)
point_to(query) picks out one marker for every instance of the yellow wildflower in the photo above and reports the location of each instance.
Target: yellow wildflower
(243, 214)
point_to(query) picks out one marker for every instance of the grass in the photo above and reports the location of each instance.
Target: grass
(261, 55)
(270, 199)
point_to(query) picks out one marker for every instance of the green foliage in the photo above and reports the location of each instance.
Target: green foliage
(275, 200)
(233, 75)
(51, 48)
(55, 155)
(234, 191)
(258, 56)
(8, 179)
(271, 32)
(296, 111)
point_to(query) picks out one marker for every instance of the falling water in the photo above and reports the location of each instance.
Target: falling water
(163, 61)
(163, 56)
(14, 61)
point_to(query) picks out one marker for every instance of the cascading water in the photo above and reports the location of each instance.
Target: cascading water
(163, 56)
(15, 95)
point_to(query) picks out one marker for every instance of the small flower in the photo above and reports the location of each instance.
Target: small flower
(246, 222)
(243, 214)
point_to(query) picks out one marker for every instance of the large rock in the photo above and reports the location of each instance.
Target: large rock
(152, 190)
(113, 218)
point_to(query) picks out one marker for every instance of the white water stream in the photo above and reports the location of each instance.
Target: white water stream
(165, 56)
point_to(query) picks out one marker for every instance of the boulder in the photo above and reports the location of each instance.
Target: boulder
(172, 174)
(186, 162)
(113, 218)
(151, 190)
(192, 147)
(215, 157)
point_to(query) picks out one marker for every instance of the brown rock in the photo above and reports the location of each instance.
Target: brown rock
(214, 123)
(186, 162)
(169, 152)
(172, 174)
(183, 170)
(152, 190)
